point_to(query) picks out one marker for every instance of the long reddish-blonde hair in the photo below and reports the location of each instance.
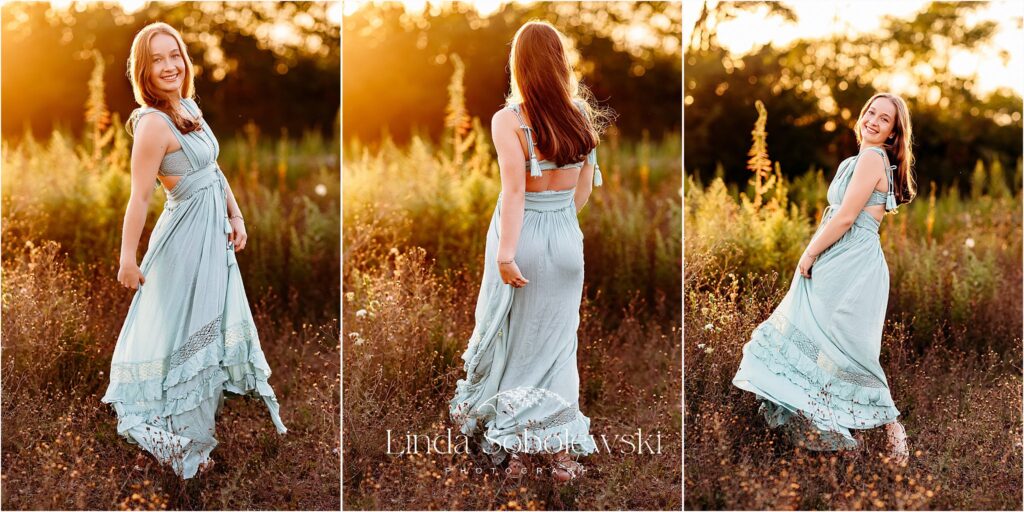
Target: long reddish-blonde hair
(900, 150)
(140, 63)
(544, 82)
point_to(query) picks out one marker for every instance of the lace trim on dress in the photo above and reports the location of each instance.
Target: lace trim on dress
(146, 370)
(810, 349)
(512, 401)
(196, 342)
(138, 372)
(557, 419)
(242, 332)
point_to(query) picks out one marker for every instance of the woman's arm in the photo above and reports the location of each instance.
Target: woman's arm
(238, 235)
(585, 182)
(584, 186)
(512, 166)
(148, 149)
(866, 174)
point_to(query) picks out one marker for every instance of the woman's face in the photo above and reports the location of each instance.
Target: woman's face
(878, 122)
(167, 67)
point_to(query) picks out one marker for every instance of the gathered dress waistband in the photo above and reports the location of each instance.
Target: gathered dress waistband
(194, 182)
(864, 219)
(548, 200)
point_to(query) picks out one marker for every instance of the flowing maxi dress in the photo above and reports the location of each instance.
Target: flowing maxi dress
(813, 363)
(521, 391)
(189, 335)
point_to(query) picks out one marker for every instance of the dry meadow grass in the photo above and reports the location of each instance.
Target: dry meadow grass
(951, 352)
(63, 309)
(414, 238)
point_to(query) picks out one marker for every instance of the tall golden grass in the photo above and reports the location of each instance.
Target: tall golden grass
(63, 203)
(951, 350)
(415, 219)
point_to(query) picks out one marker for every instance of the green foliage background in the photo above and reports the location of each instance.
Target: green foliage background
(814, 90)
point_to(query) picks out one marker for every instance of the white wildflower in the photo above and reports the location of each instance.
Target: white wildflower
(709, 327)
(969, 243)
(358, 340)
(361, 313)
(700, 346)
(320, 189)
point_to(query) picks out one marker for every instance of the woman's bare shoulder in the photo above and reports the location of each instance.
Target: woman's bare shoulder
(152, 129)
(504, 118)
(869, 156)
(869, 161)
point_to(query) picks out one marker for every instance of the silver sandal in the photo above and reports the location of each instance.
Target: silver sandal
(517, 466)
(566, 464)
(898, 448)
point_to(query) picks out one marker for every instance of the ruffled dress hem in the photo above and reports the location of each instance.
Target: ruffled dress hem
(146, 408)
(775, 367)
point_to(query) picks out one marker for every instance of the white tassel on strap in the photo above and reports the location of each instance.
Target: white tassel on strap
(890, 202)
(890, 198)
(592, 159)
(534, 166)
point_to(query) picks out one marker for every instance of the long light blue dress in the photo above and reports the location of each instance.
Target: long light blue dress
(189, 335)
(521, 391)
(813, 363)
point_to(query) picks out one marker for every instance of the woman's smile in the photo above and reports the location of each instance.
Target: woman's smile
(171, 81)
(168, 63)
(876, 117)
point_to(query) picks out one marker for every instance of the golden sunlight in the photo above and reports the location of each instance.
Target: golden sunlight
(484, 8)
(487, 7)
(335, 13)
(131, 6)
(993, 64)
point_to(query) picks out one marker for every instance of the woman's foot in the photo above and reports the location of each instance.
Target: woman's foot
(517, 465)
(897, 436)
(206, 466)
(141, 462)
(563, 468)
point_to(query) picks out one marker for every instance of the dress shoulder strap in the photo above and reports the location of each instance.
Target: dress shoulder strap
(890, 197)
(534, 164)
(186, 147)
(191, 105)
(517, 110)
(140, 112)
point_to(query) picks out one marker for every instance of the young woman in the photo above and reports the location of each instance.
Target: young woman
(189, 335)
(816, 357)
(521, 391)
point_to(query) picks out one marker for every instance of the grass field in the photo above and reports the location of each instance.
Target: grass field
(63, 204)
(951, 351)
(415, 217)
